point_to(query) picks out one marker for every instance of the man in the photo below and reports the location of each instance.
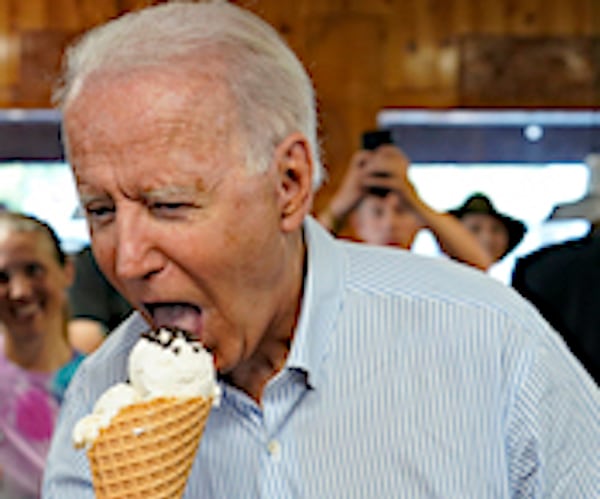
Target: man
(383, 207)
(563, 280)
(347, 371)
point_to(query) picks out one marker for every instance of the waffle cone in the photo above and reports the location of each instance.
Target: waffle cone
(148, 449)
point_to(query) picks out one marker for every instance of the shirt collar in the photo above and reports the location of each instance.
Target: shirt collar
(321, 302)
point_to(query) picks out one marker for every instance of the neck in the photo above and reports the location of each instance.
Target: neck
(272, 351)
(40, 352)
(253, 376)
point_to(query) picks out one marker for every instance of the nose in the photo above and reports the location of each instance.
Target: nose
(485, 238)
(136, 252)
(388, 217)
(20, 286)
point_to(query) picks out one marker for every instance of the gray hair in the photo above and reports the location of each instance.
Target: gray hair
(272, 90)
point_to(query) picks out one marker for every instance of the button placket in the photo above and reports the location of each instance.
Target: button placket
(274, 449)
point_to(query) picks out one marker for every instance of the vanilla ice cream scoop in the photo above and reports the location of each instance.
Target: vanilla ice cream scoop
(168, 362)
(163, 363)
(110, 402)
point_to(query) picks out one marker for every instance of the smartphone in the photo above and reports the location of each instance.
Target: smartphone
(372, 139)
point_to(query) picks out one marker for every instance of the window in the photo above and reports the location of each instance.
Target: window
(525, 192)
(47, 191)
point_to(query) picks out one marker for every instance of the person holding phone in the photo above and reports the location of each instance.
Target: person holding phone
(382, 207)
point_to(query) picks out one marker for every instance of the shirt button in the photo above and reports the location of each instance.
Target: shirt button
(274, 448)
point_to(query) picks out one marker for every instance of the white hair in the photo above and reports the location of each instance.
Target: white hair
(273, 92)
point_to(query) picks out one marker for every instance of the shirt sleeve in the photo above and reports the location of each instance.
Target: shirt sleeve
(554, 425)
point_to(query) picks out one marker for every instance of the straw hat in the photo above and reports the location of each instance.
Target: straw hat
(481, 204)
(587, 207)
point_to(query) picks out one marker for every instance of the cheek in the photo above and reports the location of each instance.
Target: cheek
(53, 292)
(3, 308)
(500, 240)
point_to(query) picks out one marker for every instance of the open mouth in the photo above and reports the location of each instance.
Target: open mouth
(177, 315)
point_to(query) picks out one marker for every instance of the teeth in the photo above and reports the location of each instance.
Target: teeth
(27, 310)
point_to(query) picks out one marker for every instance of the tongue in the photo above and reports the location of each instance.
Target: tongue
(183, 317)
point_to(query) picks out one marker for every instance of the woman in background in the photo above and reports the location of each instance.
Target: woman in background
(36, 361)
(498, 233)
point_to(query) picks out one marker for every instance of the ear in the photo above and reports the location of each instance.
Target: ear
(295, 172)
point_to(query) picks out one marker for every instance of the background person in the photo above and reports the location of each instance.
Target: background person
(383, 207)
(498, 233)
(563, 280)
(347, 370)
(36, 361)
(96, 306)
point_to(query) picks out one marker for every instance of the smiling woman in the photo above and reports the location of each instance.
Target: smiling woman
(36, 362)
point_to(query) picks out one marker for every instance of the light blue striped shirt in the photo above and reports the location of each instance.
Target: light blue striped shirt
(408, 377)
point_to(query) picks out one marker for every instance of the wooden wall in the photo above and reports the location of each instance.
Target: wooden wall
(362, 54)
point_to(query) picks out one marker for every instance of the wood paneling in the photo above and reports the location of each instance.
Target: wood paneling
(362, 54)
(530, 72)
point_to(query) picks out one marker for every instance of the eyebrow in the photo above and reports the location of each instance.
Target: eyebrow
(171, 190)
(84, 199)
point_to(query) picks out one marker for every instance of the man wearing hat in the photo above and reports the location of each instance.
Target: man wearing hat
(498, 233)
(563, 280)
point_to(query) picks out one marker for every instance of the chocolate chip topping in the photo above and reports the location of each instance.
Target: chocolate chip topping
(165, 336)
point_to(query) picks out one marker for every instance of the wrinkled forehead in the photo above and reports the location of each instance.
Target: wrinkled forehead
(103, 105)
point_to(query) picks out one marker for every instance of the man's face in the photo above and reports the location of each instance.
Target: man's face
(177, 224)
(489, 231)
(385, 221)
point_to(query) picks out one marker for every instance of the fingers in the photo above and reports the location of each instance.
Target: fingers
(387, 167)
(383, 169)
(360, 159)
(387, 170)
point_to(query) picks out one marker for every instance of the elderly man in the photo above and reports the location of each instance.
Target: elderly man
(347, 371)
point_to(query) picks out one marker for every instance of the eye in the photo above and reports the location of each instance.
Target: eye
(168, 206)
(34, 270)
(169, 209)
(4, 277)
(100, 213)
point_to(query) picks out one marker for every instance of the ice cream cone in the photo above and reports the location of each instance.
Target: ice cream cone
(148, 449)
